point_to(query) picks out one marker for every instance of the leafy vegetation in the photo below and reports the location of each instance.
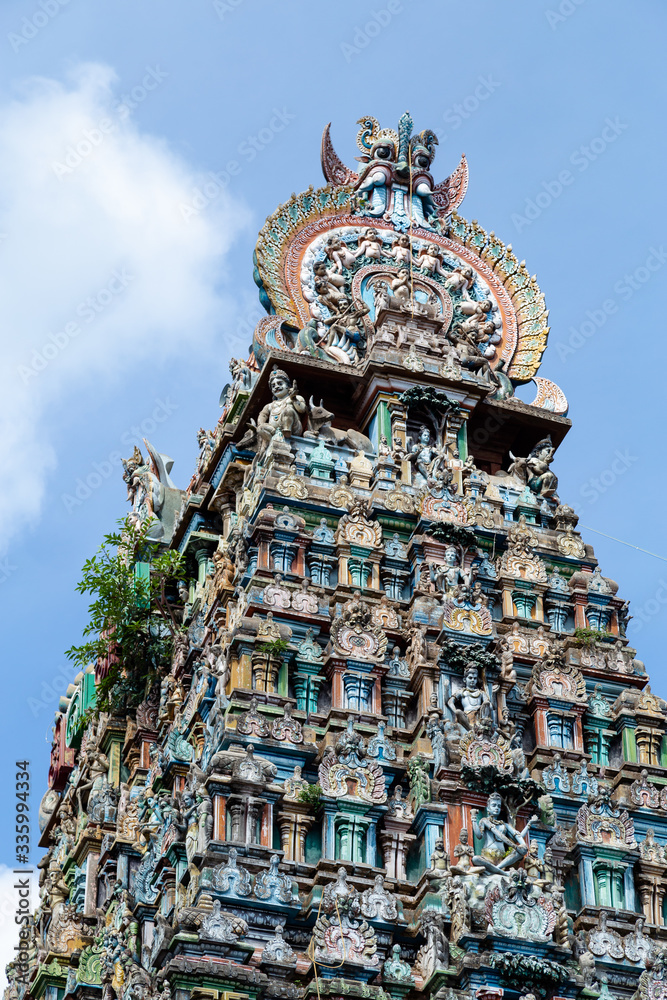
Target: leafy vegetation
(133, 617)
(452, 534)
(516, 792)
(419, 396)
(311, 796)
(529, 973)
(590, 637)
(273, 649)
(456, 657)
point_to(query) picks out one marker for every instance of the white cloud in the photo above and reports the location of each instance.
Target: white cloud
(92, 234)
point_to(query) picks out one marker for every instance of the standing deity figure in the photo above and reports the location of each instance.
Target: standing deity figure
(95, 770)
(339, 253)
(435, 731)
(471, 705)
(420, 784)
(533, 864)
(503, 845)
(55, 892)
(450, 578)
(428, 458)
(283, 414)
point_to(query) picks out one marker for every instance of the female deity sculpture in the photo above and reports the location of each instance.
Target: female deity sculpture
(435, 731)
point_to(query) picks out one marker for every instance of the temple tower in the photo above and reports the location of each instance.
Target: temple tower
(399, 743)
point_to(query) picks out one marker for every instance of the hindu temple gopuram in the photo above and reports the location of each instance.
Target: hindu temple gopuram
(397, 745)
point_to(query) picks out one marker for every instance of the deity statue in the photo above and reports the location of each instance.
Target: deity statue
(428, 458)
(534, 471)
(56, 891)
(420, 784)
(283, 413)
(463, 852)
(401, 250)
(438, 873)
(451, 578)
(96, 767)
(429, 259)
(400, 295)
(507, 671)
(503, 845)
(370, 245)
(417, 650)
(471, 705)
(533, 864)
(461, 279)
(435, 731)
(331, 288)
(130, 466)
(339, 254)
(224, 568)
(204, 819)
(206, 442)
(463, 338)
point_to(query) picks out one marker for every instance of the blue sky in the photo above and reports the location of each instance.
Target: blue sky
(559, 107)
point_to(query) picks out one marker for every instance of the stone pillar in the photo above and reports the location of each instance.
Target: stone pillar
(219, 817)
(334, 672)
(395, 843)
(237, 814)
(294, 824)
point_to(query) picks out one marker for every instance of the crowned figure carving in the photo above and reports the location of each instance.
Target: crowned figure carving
(372, 726)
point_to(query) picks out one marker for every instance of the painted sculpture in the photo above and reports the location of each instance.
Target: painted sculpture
(397, 743)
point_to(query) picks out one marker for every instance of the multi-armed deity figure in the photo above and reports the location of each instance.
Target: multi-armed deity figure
(450, 577)
(283, 414)
(429, 459)
(471, 705)
(309, 542)
(503, 846)
(534, 471)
